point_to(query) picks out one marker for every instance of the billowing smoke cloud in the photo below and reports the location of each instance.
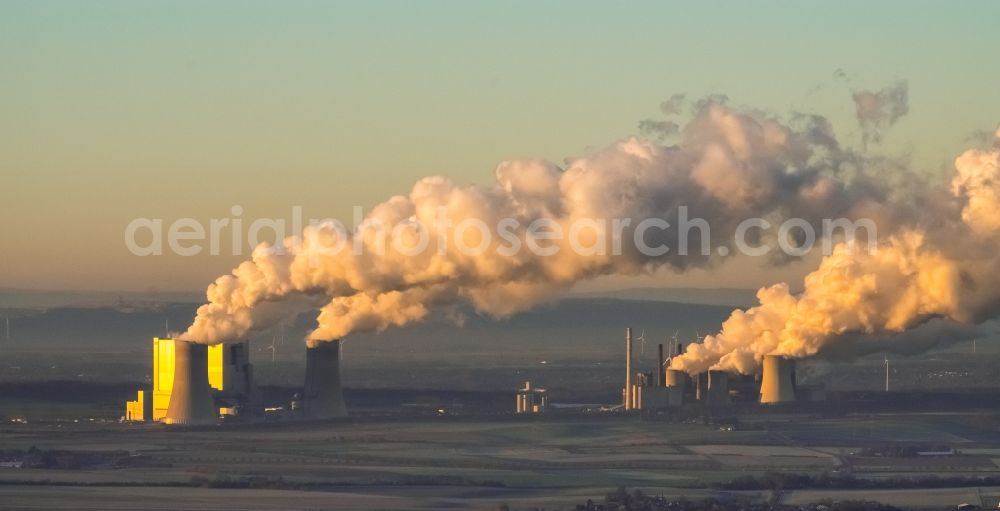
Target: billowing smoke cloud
(728, 165)
(876, 111)
(935, 261)
(674, 105)
(942, 270)
(661, 130)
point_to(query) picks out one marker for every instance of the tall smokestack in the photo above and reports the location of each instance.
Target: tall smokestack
(660, 382)
(628, 369)
(777, 383)
(323, 397)
(191, 400)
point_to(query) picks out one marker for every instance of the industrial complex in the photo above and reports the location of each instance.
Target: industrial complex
(666, 388)
(197, 384)
(194, 384)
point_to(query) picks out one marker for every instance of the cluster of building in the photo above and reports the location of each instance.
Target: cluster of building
(227, 368)
(196, 383)
(667, 388)
(532, 399)
(670, 388)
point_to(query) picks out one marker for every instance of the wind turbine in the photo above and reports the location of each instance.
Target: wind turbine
(273, 347)
(276, 340)
(642, 342)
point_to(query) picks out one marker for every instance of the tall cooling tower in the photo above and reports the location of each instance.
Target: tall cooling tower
(323, 397)
(777, 384)
(191, 397)
(718, 387)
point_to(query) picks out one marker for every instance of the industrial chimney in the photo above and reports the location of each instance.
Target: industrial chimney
(777, 384)
(323, 397)
(191, 400)
(660, 362)
(629, 391)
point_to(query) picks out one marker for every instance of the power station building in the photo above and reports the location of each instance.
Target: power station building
(141, 409)
(648, 391)
(226, 370)
(670, 388)
(531, 399)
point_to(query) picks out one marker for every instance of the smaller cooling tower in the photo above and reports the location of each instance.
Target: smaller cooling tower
(191, 400)
(677, 384)
(676, 378)
(718, 387)
(777, 384)
(323, 397)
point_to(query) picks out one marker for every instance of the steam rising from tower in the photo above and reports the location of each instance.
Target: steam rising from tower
(938, 267)
(726, 165)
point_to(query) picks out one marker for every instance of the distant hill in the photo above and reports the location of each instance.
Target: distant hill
(732, 297)
(105, 343)
(572, 323)
(12, 298)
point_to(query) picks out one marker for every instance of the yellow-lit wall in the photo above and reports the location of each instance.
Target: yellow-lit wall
(163, 375)
(134, 410)
(228, 368)
(216, 366)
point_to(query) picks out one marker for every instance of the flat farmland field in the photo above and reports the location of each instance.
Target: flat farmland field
(434, 463)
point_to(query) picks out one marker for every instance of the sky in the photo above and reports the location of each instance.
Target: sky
(110, 111)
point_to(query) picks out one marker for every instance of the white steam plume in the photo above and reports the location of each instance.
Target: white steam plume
(945, 269)
(727, 165)
(878, 110)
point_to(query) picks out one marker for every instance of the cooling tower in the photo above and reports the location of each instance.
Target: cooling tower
(777, 383)
(323, 397)
(718, 387)
(191, 397)
(676, 378)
